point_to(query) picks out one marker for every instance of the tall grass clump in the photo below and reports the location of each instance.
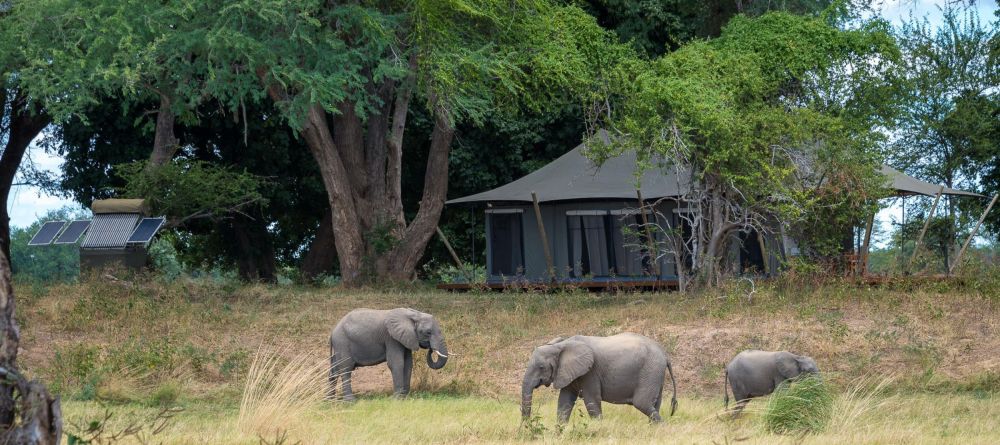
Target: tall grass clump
(281, 393)
(803, 405)
(862, 398)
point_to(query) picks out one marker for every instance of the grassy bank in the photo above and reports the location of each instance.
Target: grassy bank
(136, 346)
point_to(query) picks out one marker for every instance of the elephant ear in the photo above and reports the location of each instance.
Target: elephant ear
(574, 361)
(401, 328)
(788, 367)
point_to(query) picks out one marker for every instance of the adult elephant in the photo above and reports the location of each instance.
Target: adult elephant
(366, 337)
(755, 373)
(624, 369)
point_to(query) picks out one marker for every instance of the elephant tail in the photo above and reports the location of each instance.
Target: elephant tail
(673, 399)
(725, 387)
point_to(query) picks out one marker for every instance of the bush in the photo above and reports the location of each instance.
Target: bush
(800, 406)
(449, 273)
(164, 258)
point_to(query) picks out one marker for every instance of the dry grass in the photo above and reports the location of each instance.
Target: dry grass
(278, 394)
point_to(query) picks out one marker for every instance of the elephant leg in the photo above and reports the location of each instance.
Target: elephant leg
(647, 401)
(331, 393)
(407, 370)
(394, 358)
(741, 402)
(567, 398)
(591, 393)
(345, 380)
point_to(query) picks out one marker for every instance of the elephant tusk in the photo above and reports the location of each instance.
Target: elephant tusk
(442, 355)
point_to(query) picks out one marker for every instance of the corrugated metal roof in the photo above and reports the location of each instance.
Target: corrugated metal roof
(110, 230)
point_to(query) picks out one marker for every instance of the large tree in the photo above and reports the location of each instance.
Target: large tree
(28, 414)
(345, 77)
(947, 132)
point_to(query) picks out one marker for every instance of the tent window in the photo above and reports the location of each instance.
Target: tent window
(589, 252)
(506, 244)
(631, 246)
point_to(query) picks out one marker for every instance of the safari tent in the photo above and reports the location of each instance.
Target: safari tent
(587, 217)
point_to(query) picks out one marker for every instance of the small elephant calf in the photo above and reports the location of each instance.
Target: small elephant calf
(757, 373)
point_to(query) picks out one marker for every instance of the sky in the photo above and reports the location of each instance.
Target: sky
(27, 204)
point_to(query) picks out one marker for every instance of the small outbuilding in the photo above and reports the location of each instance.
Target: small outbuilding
(117, 236)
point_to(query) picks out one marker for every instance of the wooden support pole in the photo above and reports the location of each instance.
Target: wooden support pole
(650, 243)
(454, 255)
(923, 230)
(550, 268)
(972, 235)
(863, 258)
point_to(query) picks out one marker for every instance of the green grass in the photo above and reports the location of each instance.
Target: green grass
(913, 419)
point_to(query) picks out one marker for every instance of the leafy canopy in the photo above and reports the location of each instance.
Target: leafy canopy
(750, 107)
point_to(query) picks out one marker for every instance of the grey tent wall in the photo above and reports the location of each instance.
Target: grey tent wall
(557, 231)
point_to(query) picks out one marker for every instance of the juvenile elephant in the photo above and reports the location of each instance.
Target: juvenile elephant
(623, 369)
(757, 373)
(366, 337)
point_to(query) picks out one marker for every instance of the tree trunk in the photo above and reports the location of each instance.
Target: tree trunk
(251, 245)
(360, 163)
(24, 126)
(401, 262)
(32, 416)
(322, 254)
(346, 223)
(165, 143)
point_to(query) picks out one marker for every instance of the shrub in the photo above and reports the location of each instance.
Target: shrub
(800, 406)
(164, 258)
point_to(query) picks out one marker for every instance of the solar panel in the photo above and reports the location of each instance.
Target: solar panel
(109, 230)
(145, 230)
(73, 232)
(47, 233)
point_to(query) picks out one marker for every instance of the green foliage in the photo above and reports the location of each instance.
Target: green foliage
(776, 119)
(949, 129)
(52, 263)
(800, 406)
(450, 273)
(188, 189)
(164, 258)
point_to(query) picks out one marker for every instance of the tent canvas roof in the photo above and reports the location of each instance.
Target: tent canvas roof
(573, 176)
(906, 185)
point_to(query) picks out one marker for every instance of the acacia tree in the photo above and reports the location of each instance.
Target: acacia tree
(21, 119)
(346, 77)
(748, 120)
(28, 414)
(947, 131)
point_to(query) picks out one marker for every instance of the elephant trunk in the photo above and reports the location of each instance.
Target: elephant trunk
(442, 350)
(527, 389)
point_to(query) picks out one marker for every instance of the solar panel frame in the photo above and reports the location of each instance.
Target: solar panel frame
(142, 226)
(68, 232)
(36, 241)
